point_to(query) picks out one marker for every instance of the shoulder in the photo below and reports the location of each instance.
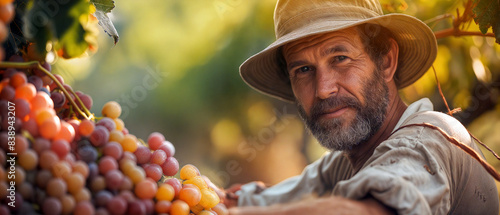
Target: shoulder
(433, 119)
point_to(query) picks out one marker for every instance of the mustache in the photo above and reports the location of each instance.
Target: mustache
(331, 103)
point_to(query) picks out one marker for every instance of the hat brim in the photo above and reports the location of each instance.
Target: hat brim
(417, 52)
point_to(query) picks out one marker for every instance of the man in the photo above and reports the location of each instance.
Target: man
(342, 62)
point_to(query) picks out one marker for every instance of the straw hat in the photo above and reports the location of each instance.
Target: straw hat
(296, 19)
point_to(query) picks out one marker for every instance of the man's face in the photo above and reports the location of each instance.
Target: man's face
(340, 93)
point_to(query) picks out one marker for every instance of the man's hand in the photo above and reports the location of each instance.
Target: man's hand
(330, 205)
(228, 196)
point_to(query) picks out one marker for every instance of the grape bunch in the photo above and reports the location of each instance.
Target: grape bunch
(58, 158)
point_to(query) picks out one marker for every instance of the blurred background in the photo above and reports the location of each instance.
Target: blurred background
(175, 71)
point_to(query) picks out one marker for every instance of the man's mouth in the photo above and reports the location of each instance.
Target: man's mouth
(334, 112)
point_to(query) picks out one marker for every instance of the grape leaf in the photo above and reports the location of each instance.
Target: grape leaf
(107, 25)
(103, 5)
(102, 8)
(59, 22)
(486, 16)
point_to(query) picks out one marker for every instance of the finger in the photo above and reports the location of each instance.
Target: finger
(234, 188)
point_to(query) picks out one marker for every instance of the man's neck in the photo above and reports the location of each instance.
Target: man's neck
(360, 154)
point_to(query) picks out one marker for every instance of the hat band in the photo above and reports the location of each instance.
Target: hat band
(316, 15)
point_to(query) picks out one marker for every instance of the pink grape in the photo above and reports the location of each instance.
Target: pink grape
(149, 204)
(158, 157)
(143, 154)
(176, 184)
(155, 140)
(127, 195)
(106, 164)
(129, 156)
(84, 208)
(168, 147)
(99, 136)
(153, 171)
(60, 147)
(117, 205)
(41, 144)
(31, 127)
(108, 123)
(52, 205)
(113, 149)
(127, 184)
(114, 179)
(87, 101)
(170, 167)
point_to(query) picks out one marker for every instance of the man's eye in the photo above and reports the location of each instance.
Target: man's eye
(304, 69)
(340, 58)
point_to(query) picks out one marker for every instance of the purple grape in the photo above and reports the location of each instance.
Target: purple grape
(58, 98)
(52, 205)
(117, 205)
(108, 123)
(87, 154)
(36, 81)
(99, 136)
(102, 198)
(136, 208)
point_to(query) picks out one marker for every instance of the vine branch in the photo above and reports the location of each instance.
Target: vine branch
(459, 33)
(36, 64)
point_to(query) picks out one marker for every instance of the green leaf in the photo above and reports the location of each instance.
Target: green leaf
(103, 5)
(59, 22)
(486, 14)
(102, 8)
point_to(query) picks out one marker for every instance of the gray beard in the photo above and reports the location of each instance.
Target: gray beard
(333, 134)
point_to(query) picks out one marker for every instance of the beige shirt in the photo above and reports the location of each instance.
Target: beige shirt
(415, 171)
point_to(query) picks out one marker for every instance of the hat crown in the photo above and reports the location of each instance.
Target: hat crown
(290, 15)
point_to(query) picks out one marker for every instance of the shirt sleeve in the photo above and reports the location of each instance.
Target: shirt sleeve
(316, 179)
(409, 173)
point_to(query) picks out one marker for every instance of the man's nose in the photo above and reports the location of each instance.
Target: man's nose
(326, 83)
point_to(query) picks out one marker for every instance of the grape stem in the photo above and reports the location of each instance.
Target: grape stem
(35, 64)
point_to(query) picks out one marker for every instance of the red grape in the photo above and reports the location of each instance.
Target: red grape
(168, 147)
(114, 179)
(113, 149)
(143, 154)
(99, 136)
(52, 205)
(106, 164)
(108, 123)
(153, 171)
(158, 157)
(170, 167)
(117, 205)
(155, 140)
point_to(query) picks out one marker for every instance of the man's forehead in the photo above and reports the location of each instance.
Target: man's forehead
(349, 34)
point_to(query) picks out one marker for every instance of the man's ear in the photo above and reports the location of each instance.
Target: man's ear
(390, 63)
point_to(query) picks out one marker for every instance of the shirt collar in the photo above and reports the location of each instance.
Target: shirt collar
(421, 105)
